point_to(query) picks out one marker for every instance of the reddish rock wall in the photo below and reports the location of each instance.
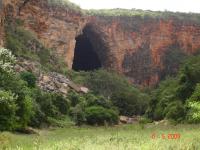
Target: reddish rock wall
(132, 46)
(137, 46)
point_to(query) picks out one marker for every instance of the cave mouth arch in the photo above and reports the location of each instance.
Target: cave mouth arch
(85, 57)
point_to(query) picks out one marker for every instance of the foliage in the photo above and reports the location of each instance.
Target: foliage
(8, 110)
(176, 97)
(11, 82)
(66, 4)
(30, 78)
(78, 114)
(61, 103)
(193, 115)
(104, 82)
(80, 102)
(98, 100)
(193, 105)
(75, 98)
(6, 60)
(196, 94)
(100, 116)
(189, 17)
(161, 97)
(175, 111)
(129, 103)
(115, 89)
(189, 77)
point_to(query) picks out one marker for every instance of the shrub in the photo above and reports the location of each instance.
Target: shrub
(48, 107)
(25, 111)
(193, 105)
(74, 98)
(61, 103)
(39, 118)
(45, 101)
(29, 78)
(189, 77)
(175, 111)
(193, 115)
(130, 103)
(99, 116)
(161, 97)
(78, 115)
(6, 60)
(196, 94)
(107, 83)
(8, 110)
(96, 100)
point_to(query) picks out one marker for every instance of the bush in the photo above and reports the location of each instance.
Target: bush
(130, 103)
(48, 107)
(8, 110)
(175, 111)
(29, 78)
(196, 94)
(9, 81)
(45, 101)
(161, 97)
(189, 77)
(193, 105)
(193, 115)
(97, 115)
(39, 118)
(74, 98)
(6, 60)
(78, 115)
(61, 103)
(94, 100)
(107, 83)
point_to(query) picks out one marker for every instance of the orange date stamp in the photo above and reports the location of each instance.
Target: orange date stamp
(170, 136)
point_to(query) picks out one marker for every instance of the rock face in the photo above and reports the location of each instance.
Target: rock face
(49, 82)
(134, 46)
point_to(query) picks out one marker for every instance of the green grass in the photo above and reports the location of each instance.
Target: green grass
(129, 137)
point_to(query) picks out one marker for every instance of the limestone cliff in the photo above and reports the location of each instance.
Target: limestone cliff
(134, 46)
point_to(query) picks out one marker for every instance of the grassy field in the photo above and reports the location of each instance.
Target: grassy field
(127, 137)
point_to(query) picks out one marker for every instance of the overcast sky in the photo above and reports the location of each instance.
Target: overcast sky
(172, 5)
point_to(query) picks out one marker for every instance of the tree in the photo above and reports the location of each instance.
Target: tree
(8, 108)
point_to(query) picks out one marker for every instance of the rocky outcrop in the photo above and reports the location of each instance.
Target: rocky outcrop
(49, 82)
(129, 120)
(134, 46)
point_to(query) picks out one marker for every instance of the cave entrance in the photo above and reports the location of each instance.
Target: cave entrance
(85, 57)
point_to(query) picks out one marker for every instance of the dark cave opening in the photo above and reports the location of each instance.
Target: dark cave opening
(85, 57)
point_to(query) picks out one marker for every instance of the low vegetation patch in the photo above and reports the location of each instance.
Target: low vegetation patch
(151, 137)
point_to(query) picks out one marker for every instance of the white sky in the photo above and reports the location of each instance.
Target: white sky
(171, 5)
